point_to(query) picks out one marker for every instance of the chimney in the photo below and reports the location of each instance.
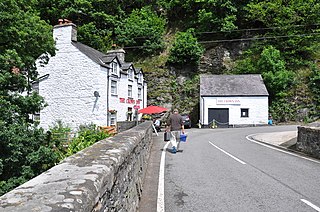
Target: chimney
(65, 31)
(120, 53)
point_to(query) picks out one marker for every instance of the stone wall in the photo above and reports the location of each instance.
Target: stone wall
(107, 176)
(309, 140)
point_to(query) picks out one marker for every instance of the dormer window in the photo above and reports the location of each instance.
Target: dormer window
(140, 78)
(130, 74)
(114, 68)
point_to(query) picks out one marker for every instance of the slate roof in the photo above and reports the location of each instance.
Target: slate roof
(92, 53)
(232, 85)
(126, 66)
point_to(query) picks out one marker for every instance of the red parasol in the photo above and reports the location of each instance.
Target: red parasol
(152, 109)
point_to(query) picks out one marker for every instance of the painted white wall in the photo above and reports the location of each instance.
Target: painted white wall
(69, 89)
(258, 109)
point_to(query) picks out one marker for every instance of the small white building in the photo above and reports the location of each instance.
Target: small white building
(82, 85)
(233, 100)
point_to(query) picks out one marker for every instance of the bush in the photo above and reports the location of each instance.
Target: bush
(143, 28)
(185, 50)
(87, 136)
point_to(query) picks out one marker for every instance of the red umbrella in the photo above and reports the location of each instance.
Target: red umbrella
(152, 109)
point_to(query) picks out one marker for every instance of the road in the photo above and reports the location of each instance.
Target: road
(221, 170)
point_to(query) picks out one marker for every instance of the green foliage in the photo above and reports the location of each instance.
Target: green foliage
(25, 153)
(315, 87)
(293, 22)
(87, 136)
(95, 38)
(283, 110)
(23, 39)
(185, 50)
(60, 136)
(274, 72)
(142, 28)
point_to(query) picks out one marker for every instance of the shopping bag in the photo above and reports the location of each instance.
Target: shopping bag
(183, 137)
(166, 136)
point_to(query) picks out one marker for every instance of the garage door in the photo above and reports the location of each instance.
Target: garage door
(221, 115)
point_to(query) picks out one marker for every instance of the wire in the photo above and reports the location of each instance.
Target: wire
(238, 40)
(258, 38)
(256, 29)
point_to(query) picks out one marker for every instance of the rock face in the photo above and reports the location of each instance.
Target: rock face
(166, 87)
(220, 58)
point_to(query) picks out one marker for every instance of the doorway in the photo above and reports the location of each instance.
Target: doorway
(220, 115)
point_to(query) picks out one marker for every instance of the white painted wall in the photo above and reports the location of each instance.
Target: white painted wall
(69, 89)
(258, 109)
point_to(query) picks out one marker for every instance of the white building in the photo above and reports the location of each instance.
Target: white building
(233, 100)
(82, 85)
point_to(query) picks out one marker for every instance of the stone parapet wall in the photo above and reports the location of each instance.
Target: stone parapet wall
(107, 176)
(308, 140)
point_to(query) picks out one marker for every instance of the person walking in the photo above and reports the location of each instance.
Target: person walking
(176, 127)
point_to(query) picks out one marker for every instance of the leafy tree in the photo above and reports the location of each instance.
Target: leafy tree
(292, 24)
(24, 37)
(274, 72)
(315, 87)
(142, 28)
(185, 50)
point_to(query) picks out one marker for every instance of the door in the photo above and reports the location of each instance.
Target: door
(220, 115)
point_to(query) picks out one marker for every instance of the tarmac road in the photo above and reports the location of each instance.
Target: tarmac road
(227, 170)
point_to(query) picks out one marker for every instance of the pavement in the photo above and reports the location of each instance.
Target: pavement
(279, 139)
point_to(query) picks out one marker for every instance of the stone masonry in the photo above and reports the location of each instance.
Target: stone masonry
(107, 176)
(309, 140)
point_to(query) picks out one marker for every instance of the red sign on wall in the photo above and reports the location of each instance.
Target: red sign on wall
(129, 101)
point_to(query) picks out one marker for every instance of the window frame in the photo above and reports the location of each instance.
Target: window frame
(113, 119)
(115, 87)
(244, 112)
(130, 91)
(114, 68)
(140, 78)
(130, 74)
(139, 93)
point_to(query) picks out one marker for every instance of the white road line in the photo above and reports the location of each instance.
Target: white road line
(311, 205)
(240, 161)
(280, 150)
(160, 200)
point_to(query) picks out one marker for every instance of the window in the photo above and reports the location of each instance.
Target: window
(244, 112)
(114, 87)
(139, 93)
(114, 67)
(140, 77)
(113, 119)
(129, 90)
(130, 77)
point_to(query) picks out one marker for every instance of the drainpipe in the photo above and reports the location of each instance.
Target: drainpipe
(203, 106)
(108, 97)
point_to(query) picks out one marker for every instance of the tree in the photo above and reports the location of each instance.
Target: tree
(185, 50)
(142, 28)
(24, 37)
(293, 24)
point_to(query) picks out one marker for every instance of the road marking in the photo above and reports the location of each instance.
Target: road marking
(311, 205)
(237, 159)
(160, 200)
(280, 150)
